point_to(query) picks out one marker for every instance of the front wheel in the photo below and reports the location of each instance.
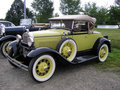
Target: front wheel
(4, 47)
(103, 53)
(42, 68)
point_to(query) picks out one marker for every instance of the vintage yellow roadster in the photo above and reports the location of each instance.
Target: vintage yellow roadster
(71, 39)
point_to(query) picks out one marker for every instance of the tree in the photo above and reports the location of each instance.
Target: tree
(115, 15)
(56, 15)
(117, 2)
(44, 10)
(16, 12)
(1, 19)
(102, 16)
(91, 9)
(70, 7)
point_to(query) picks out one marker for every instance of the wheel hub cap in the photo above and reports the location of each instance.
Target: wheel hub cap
(42, 67)
(102, 53)
(66, 51)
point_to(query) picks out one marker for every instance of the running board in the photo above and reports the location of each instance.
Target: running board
(82, 59)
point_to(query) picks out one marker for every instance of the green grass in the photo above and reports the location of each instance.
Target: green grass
(113, 61)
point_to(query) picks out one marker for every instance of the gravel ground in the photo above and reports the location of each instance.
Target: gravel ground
(71, 77)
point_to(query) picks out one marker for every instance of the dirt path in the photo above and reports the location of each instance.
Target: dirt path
(71, 77)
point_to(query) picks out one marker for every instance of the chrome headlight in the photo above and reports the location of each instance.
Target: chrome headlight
(18, 37)
(2, 29)
(28, 38)
(30, 41)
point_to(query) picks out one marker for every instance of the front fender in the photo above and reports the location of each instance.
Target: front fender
(99, 42)
(45, 50)
(14, 46)
(8, 37)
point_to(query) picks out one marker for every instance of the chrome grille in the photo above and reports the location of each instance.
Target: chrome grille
(25, 39)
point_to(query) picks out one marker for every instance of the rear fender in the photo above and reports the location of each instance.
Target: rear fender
(99, 42)
(45, 50)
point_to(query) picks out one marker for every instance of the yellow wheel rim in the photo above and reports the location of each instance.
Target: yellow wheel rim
(5, 49)
(68, 50)
(103, 53)
(44, 67)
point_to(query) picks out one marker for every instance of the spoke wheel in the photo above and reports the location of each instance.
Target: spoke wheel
(68, 49)
(4, 48)
(103, 53)
(42, 68)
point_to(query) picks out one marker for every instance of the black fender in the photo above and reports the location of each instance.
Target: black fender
(14, 45)
(46, 50)
(6, 38)
(99, 42)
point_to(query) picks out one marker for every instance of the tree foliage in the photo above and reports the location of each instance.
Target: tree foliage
(16, 12)
(91, 9)
(56, 15)
(102, 16)
(117, 2)
(70, 7)
(44, 9)
(114, 13)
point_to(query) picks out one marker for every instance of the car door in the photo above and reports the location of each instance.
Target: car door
(83, 39)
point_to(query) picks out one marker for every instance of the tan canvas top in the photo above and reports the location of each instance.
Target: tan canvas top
(75, 17)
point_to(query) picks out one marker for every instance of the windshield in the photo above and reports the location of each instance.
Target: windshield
(61, 24)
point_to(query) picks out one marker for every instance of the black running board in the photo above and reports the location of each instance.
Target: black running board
(85, 58)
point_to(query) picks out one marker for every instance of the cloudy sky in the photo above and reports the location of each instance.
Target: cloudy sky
(6, 4)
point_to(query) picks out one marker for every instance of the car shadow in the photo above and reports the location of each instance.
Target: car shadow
(68, 67)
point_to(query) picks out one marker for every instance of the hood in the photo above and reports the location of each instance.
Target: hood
(15, 28)
(50, 32)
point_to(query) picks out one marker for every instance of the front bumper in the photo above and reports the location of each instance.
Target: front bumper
(17, 63)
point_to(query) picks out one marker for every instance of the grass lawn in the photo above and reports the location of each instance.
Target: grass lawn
(113, 61)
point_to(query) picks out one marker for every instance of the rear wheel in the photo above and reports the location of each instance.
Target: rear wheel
(103, 53)
(42, 68)
(3, 47)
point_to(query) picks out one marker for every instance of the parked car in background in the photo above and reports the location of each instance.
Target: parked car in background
(8, 34)
(7, 23)
(71, 39)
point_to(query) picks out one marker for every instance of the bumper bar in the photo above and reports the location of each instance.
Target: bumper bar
(17, 63)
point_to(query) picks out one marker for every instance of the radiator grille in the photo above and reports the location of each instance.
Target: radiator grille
(25, 38)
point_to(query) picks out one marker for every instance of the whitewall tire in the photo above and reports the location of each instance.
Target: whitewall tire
(42, 68)
(103, 53)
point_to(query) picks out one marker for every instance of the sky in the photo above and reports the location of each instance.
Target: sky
(6, 4)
